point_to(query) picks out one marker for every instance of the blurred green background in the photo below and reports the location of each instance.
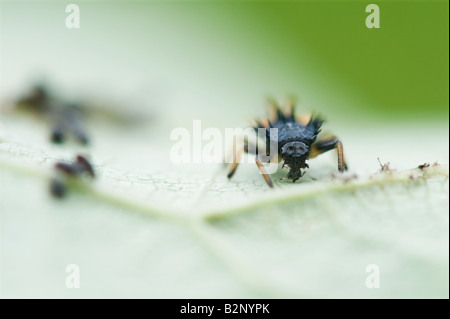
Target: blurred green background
(217, 56)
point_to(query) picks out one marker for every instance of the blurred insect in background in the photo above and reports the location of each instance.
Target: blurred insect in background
(65, 118)
(296, 138)
(79, 168)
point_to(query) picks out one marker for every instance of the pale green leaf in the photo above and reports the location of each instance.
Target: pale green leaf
(149, 228)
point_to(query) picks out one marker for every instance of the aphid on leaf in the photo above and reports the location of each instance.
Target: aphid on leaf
(297, 139)
(423, 166)
(57, 188)
(81, 166)
(87, 166)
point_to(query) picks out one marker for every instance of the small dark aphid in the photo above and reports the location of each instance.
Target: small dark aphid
(75, 169)
(57, 135)
(57, 188)
(423, 166)
(297, 140)
(80, 166)
(81, 160)
(72, 169)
